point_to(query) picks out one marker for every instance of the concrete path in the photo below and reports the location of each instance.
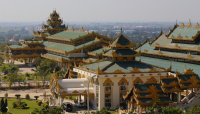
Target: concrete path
(31, 92)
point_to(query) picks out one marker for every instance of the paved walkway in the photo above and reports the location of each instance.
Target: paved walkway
(31, 92)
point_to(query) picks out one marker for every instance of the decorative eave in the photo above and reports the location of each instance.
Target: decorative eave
(136, 95)
(34, 55)
(55, 50)
(173, 90)
(176, 47)
(149, 104)
(188, 71)
(28, 48)
(114, 54)
(192, 79)
(192, 85)
(117, 45)
(172, 84)
(176, 57)
(151, 88)
(151, 80)
(26, 42)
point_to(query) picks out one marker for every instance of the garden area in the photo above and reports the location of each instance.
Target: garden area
(30, 103)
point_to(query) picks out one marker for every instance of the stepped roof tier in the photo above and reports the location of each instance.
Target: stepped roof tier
(54, 25)
(174, 49)
(120, 59)
(145, 94)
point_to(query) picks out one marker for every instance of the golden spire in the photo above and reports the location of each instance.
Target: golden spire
(121, 31)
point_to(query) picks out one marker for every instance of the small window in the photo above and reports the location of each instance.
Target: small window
(108, 87)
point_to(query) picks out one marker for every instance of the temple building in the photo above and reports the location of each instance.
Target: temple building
(136, 78)
(58, 43)
(114, 74)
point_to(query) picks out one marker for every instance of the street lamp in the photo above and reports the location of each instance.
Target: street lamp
(89, 79)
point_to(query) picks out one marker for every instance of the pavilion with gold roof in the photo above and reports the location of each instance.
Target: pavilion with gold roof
(165, 70)
(58, 43)
(113, 77)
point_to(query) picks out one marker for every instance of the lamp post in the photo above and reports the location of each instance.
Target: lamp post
(88, 108)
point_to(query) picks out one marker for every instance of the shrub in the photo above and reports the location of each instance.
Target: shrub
(45, 105)
(17, 96)
(20, 105)
(36, 97)
(37, 101)
(40, 103)
(6, 95)
(27, 97)
(14, 104)
(103, 111)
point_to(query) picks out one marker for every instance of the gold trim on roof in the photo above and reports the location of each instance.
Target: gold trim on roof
(188, 71)
(174, 89)
(123, 80)
(151, 80)
(135, 70)
(172, 84)
(108, 81)
(137, 80)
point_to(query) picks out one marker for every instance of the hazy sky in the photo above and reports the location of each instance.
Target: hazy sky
(101, 10)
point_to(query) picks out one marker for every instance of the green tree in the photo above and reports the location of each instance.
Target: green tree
(37, 61)
(194, 110)
(10, 69)
(1, 60)
(46, 66)
(2, 103)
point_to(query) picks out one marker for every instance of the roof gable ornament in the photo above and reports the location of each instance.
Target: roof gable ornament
(179, 36)
(159, 52)
(176, 46)
(135, 70)
(197, 25)
(182, 25)
(151, 80)
(189, 24)
(121, 31)
(189, 55)
(137, 81)
(72, 29)
(188, 71)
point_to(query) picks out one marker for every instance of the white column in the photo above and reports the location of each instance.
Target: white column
(101, 102)
(140, 112)
(60, 101)
(178, 97)
(146, 109)
(115, 94)
(187, 96)
(95, 96)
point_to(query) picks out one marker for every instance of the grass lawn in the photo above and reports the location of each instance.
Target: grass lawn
(112, 112)
(31, 103)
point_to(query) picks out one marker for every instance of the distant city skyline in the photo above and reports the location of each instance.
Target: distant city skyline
(101, 10)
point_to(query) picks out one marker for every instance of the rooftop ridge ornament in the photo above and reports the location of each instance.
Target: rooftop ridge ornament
(189, 24)
(182, 25)
(121, 30)
(196, 25)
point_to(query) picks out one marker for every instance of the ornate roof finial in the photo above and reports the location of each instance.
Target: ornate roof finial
(185, 68)
(176, 21)
(121, 30)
